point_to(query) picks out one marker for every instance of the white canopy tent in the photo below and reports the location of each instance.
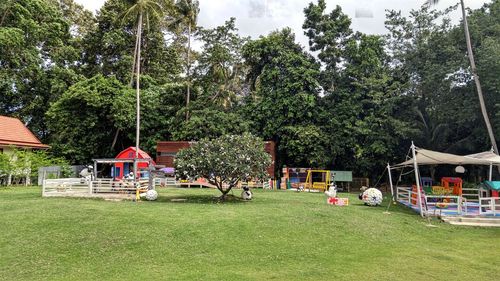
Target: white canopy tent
(429, 157)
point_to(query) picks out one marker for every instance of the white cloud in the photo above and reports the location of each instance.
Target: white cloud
(259, 17)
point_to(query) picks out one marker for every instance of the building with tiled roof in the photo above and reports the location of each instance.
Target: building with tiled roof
(13, 133)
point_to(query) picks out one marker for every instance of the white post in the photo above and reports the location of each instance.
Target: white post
(491, 171)
(417, 178)
(390, 181)
(90, 187)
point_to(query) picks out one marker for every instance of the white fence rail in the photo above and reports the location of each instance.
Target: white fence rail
(472, 194)
(167, 181)
(403, 193)
(441, 202)
(95, 188)
(431, 204)
(74, 185)
(489, 206)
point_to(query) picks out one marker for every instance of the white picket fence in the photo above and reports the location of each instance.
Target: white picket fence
(79, 187)
(489, 206)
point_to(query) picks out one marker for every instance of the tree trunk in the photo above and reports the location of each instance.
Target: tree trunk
(137, 42)
(115, 139)
(476, 80)
(188, 72)
(138, 111)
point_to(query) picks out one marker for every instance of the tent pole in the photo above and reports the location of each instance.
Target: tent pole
(390, 181)
(491, 171)
(95, 170)
(417, 179)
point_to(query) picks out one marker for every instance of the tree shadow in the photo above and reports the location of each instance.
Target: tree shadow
(201, 199)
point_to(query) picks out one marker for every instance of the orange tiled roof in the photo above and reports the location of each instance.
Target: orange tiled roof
(13, 132)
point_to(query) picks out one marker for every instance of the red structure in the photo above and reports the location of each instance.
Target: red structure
(452, 183)
(166, 151)
(122, 169)
(13, 133)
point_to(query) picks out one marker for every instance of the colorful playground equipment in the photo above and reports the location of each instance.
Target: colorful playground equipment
(448, 196)
(317, 180)
(452, 185)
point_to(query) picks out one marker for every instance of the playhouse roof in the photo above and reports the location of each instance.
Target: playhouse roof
(429, 157)
(13, 132)
(129, 153)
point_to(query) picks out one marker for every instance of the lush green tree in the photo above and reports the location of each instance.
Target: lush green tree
(210, 123)
(306, 146)
(82, 120)
(221, 71)
(6, 167)
(37, 60)
(81, 21)
(328, 34)
(224, 161)
(284, 80)
(109, 48)
(484, 25)
(160, 107)
(429, 57)
(368, 107)
(475, 75)
(184, 20)
(22, 163)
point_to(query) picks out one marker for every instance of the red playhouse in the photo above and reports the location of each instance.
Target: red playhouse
(122, 169)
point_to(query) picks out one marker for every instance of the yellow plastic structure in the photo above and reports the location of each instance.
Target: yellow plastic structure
(321, 185)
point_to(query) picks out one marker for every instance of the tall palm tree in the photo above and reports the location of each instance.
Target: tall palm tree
(144, 11)
(186, 17)
(474, 74)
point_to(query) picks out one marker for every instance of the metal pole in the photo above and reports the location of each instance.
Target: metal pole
(476, 80)
(415, 166)
(390, 181)
(491, 171)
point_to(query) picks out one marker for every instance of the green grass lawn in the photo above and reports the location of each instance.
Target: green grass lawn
(277, 236)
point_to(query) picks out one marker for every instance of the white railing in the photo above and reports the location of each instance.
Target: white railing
(430, 203)
(489, 206)
(78, 186)
(403, 193)
(443, 202)
(472, 194)
(167, 181)
(74, 185)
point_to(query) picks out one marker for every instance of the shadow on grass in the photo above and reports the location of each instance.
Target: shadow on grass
(201, 199)
(394, 208)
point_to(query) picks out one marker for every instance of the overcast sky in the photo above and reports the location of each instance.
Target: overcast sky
(259, 17)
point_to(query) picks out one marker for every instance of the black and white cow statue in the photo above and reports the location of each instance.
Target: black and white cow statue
(246, 194)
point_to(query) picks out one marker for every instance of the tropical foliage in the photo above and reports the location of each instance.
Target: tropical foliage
(349, 100)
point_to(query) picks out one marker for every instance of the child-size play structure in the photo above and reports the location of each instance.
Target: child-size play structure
(321, 183)
(448, 196)
(314, 179)
(111, 178)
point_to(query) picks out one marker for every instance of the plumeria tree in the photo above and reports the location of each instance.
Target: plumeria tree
(224, 161)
